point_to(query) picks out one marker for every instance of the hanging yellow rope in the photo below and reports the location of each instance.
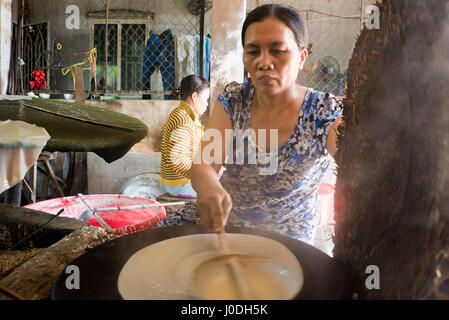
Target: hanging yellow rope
(91, 58)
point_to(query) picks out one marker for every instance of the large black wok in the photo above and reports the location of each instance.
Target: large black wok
(100, 267)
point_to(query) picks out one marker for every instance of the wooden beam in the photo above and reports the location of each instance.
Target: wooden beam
(79, 85)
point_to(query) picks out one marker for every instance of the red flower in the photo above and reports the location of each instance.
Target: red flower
(38, 81)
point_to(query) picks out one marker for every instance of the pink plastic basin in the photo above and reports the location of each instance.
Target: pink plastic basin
(326, 200)
(123, 222)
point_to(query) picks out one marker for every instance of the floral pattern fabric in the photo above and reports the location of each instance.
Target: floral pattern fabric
(276, 191)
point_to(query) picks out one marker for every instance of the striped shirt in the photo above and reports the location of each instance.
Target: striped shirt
(180, 141)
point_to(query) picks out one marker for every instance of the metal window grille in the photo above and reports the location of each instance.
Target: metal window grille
(35, 48)
(151, 47)
(132, 49)
(135, 65)
(129, 64)
(125, 50)
(333, 28)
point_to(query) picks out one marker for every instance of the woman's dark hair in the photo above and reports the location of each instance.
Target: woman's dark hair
(189, 85)
(288, 15)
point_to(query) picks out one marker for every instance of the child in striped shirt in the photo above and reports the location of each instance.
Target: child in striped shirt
(182, 137)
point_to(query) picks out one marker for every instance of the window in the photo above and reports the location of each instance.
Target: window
(35, 45)
(127, 39)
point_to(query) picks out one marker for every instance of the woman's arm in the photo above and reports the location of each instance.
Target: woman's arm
(213, 202)
(331, 144)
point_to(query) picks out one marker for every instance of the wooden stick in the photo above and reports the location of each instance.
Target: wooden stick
(52, 177)
(79, 85)
(141, 206)
(10, 294)
(165, 204)
(236, 270)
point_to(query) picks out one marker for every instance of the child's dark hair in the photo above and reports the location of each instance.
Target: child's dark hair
(288, 15)
(189, 85)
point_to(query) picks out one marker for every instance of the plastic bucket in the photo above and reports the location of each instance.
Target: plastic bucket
(326, 201)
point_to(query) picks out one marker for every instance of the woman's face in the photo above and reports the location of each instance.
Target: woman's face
(201, 101)
(272, 56)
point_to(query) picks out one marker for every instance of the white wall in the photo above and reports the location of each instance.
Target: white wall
(153, 113)
(5, 42)
(330, 36)
(226, 57)
(108, 178)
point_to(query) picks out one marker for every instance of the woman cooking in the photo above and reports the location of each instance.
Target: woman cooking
(298, 119)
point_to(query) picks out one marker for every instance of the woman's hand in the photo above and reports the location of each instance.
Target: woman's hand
(213, 202)
(213, 208)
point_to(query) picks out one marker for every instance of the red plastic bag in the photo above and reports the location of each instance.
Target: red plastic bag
(38, 81)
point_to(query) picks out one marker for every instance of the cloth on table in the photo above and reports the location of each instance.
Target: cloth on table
(20, 145)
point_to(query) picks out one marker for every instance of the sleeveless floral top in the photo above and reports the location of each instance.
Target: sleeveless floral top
(277, 191)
